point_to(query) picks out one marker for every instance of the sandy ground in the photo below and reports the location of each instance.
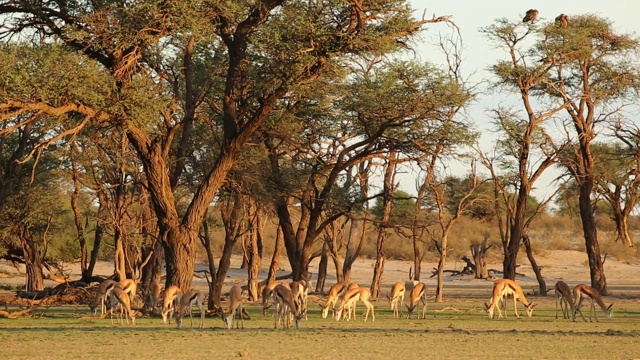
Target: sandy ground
(570, 266)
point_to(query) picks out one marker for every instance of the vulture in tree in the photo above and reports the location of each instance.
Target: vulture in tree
(531, 15)
(562, 20)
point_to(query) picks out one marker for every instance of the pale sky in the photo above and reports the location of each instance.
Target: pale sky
(470, 15)
(479, 53)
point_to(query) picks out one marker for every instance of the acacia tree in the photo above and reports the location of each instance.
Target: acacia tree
(594, 74)
(521, 135)
(617, 178)
(384, 107)
(27, 225)
(262, 50)
(29, 219)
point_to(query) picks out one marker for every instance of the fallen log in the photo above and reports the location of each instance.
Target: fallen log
(34, 295)
(17, 314)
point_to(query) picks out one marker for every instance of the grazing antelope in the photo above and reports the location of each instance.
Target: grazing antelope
(396, 295)
(349, 300)
(286, 307)
(352, 286)
(267, 292)
(408, 285)
(418, 294)
(170, 302)
(498, 299)
(187, 301)
(102, 295)
(334, 293)
(563, 292)
(120, 299)
(235, 309)
(503, 288)
(583, 290)
(130, 287)
(300, 293)
(155, 289)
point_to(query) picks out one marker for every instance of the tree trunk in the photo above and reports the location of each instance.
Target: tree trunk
(354, 244)
(77, 219)
(478, 252)
(32, 260)
(417, 259)
(254, 259)
(152, 272)
(223, 267)
(534, 265)
(233, 217)
(304, 259)
(622, 227)
(516, 230)
(179, 254)
(418, 227)
(119, 255)
(205, 238)
(510, 261)
(95, 251)
(388, 191)
(596, 267)
(275, 259)
(335, 258)
(332, 251)
(322, 268)
(378, 269)
(179, 234)
(441, 263)
(358, 229)
(245, 252)
(290, 240)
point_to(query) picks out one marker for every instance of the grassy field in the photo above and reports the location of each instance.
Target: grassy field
(453, 330)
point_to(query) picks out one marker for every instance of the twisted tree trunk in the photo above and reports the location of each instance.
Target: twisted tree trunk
(32, 260)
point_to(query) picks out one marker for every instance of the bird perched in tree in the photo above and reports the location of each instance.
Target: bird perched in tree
(530, 15)
(562, 20)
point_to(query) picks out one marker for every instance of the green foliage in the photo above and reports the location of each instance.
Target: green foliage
(402, 208)
(51, 74)
(412, 101)
(482, 209)
(38, 210)
(567, 201)
(613, 163)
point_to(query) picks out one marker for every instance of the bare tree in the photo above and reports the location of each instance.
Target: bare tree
(446, 219)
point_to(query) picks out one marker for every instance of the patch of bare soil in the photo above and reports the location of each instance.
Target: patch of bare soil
(569, 266)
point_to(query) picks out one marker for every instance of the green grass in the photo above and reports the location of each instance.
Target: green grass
(67, 332)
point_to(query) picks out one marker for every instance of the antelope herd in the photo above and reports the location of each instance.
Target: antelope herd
(290, 300)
